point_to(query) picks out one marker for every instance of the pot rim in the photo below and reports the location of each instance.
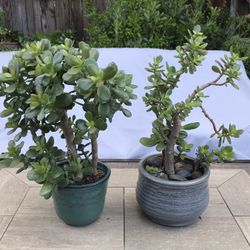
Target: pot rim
(142, 171)
(103, 179)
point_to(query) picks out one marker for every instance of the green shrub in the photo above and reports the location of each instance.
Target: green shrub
(164, 24)
(56, 37)
(155, 23)
(127, 23)
(242, 47)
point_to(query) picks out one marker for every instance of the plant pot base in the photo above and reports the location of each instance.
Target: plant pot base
(171, 223)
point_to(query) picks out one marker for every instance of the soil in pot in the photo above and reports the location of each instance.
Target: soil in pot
(185, 169)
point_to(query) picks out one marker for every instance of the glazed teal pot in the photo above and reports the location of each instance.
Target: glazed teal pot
(80, 205)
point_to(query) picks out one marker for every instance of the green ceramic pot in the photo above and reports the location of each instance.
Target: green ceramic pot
(80, 205)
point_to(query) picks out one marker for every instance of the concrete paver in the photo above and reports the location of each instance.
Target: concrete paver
(4, 222)
(34, 231)
(211, 232)
(22, 176)
(12, 192)
(219, 176)
(34, 204)
(236, 193)
(28, 222)
(126, 177)
(244, 223)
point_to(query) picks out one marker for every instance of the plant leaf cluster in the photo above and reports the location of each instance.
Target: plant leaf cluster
(166, 132)
(40, 85)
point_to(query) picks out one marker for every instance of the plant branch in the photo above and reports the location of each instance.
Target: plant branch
(79, 103)
(205, 86)
(211, 120)
(94, 150)
(69, 135)
(169, 149)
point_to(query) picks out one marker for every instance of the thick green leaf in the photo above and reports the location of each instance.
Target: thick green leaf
(216, 69)
(89, 116)
(126, 112)
(93, 53)
(64, 101)
(46, 189)
(92, 67)
(103, 93)
(85, 84)
(31, 153)
(5, 163)
(31, 175)
(58, 57)
(148, 142)
(53, 117)
(82, 45)
(6, 112)
(121, 94)
(30, 114)
(235, 85)
(56, 173)
(57, 89)
(160, 146)
(151, 169)
(110, 71)
(100, 124)
(10, 89)
(71, 60)
(191, 126)
(41, 115)
(81, 124)
(183, 134)
(104, 109)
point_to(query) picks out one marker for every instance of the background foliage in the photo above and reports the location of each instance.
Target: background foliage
(163, 24)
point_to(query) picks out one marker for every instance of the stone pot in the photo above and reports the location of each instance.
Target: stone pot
(80, 205)
(172, 203)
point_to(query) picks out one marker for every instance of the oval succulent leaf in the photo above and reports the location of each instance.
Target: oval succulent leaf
(81, 125)
(104, 109)
(148, 142)
(93, 53)
(110, 71)
(46, 189)
(216, 69)
(85, 84)
(103, 93)
(10, 89)
(126, 112)
(92, 67)
(100, 124)
(64, 101)
(191, 126)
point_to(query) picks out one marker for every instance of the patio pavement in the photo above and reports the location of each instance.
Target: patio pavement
(28, 222)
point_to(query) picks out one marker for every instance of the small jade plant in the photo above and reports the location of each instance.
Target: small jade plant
(169, 132)
(41, 84)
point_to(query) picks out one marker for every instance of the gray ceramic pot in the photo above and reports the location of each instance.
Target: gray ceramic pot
(172, 203)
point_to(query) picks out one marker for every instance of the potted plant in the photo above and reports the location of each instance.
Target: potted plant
(41, 86)
(172, 188)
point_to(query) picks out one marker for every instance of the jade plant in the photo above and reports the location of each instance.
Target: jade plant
(40, 87)
(169, 130)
